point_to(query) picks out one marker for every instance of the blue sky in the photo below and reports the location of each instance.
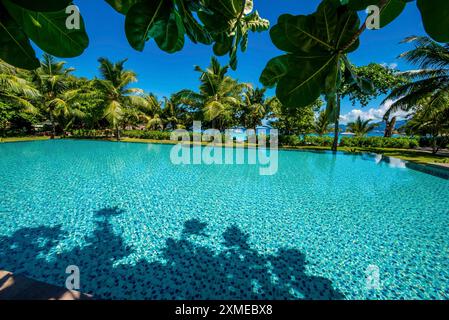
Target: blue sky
(162, 73)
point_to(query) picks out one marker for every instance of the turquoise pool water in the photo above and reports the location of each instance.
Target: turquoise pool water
(139, 227)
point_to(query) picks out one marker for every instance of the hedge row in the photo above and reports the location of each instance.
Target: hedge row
(286, 140)
(379, 142)
(365, 142)
(143, 134)
(136, 134)
(295, 141)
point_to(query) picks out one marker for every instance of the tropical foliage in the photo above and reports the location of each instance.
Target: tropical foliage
(224, 23)
(361, 127)
(379, 142)
(53, 97)
(316, 60)
(122, 103)
(293, 121)
(16, 94)
(322, 124)
(219, 102)
(426, 96)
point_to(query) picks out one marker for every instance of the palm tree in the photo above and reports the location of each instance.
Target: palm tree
(430, 82)
(254, 108)
(120, 100)
(153, 113)
(361, 127)
(17, 95)
(322, 123)
(59, 95)
(174, 114)
(219, 96)
(15, 89)
(430, 120)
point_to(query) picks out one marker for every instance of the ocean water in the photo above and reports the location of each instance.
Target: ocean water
(326, 226)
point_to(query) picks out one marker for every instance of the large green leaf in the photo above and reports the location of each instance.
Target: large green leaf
(359, 4)
(330, 28)
(255, 23)
(122, 6)
(435, 16)
(214, 21)
(43, 5)
(222, 47)
(392, 10)
(48, 30)
(143, 17)
(195, 31)
(316, 43)
(304, 81)
(169, 34)
(15, 46)
(274, 71)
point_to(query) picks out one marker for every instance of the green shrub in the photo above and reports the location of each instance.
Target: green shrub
(289, 140)
(86, 133)
(379, 142)
(143, 134)
(441, 142)
(323, 141)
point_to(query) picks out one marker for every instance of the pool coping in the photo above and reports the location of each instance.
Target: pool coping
(20, 287)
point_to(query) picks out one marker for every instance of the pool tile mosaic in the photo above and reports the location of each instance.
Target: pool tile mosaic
(139, 227)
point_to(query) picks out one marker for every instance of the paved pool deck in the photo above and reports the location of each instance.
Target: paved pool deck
(18, 287)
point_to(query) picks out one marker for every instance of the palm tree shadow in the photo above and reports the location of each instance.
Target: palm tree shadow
(186, 269)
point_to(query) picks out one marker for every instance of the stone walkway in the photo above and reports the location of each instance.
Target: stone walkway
(17, 287)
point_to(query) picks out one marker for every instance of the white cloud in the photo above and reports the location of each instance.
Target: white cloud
(392, 65)
(371, 114)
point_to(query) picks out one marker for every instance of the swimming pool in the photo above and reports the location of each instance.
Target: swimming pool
(139, 227)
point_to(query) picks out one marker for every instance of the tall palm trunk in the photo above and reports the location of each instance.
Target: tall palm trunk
(53, 126)
(117, 132)
(389, 127)
(337, 125)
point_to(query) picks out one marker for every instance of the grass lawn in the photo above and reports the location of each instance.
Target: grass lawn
(417, 156)
(20, 139)
(411, 155)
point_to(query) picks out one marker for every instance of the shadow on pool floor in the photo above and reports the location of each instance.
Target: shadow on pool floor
(189, 271)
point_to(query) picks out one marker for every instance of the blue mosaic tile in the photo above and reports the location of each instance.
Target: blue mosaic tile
(139, 227)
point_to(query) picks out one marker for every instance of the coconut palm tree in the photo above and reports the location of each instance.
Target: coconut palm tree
(430, 81)
(59, 94)
(15, 89)
(219, 96)
(152, 114)
(174, 113)
(254, 108)
(322, 123)
(430, 120)
(17, 95)
(120, 100)
(361, 127)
